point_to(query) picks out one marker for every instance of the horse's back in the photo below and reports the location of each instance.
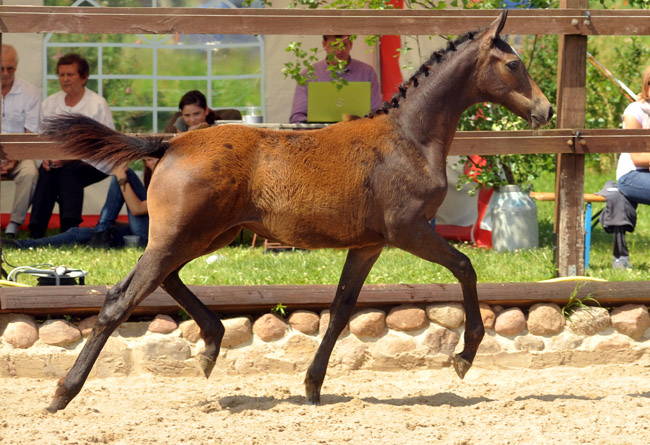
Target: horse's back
(310, 188)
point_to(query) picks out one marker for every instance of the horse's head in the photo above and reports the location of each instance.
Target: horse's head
(502, 78)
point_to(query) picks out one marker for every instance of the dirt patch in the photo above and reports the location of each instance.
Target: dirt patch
(595, 404)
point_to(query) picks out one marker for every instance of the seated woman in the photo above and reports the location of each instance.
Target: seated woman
(125, 187)
(194, 114)
(632, 173)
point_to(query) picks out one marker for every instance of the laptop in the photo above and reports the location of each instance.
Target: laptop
(326, 103)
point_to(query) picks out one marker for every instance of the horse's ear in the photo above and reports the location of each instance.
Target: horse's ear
(498, 24)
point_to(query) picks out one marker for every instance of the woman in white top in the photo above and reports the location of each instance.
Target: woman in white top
(632, 172)
(59, 180)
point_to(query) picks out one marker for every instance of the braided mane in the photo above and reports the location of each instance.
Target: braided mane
(427, 66)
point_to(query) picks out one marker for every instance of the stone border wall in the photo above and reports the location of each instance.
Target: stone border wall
(405, 337)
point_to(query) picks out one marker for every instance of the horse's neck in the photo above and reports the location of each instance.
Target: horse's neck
(430, 113)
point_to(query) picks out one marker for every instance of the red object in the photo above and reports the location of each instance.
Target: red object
(88, 221)
(472, 169)
(473, 233)
(391, 74)
(483, 238)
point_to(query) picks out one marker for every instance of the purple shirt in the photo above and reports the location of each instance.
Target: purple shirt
(356, 71)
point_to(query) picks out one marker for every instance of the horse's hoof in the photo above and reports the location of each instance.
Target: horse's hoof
(313, 393)
(313, 399)
(57, 404)
(61, 397)
(207, 365)
(461, 365)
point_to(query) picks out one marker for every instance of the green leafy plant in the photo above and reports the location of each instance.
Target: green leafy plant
(279, 310)
(183, 315)
(576, 303)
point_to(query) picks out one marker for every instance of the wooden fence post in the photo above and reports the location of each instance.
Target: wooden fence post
(569, 180)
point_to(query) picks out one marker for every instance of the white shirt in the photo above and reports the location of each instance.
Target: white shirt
(625, 164)
(91, 104)
(21, 108)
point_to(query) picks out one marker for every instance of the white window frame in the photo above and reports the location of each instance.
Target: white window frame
(156, 43)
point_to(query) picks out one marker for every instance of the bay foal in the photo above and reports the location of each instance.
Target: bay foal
(357, 185)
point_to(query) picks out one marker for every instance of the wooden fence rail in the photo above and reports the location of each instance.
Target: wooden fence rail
(85, 300)
(115, 20)
(575, 141)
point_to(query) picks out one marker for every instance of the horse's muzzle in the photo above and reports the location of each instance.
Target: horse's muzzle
(541, 117)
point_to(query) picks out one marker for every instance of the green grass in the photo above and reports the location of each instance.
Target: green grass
(241, 265)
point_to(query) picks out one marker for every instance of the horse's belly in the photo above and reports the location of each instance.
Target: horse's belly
(318, 231)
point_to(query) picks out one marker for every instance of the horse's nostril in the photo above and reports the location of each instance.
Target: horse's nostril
(550, 113)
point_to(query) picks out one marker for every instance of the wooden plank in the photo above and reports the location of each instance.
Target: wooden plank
(112, 20)
(548, 196)
(622, 22)
(32, 146)
(612, 141)
(571, 110)
(511, 142)
(259, 299)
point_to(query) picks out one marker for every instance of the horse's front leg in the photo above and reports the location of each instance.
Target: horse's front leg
(421, 240)
(356, 268)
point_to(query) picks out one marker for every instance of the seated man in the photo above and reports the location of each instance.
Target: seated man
(21, 111)
(339, 46)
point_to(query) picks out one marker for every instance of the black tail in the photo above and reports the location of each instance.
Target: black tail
(85, 137)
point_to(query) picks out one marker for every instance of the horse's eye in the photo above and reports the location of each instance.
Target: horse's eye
(513, 65)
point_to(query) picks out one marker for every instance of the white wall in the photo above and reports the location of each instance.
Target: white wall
(278, 95)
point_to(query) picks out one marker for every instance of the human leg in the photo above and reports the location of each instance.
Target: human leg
(112, 206)
(138, 224)
(635, 185)
(115, 200)
(621, 254)
(75, 176)
(25, 176)
(72, 236)
(44, 198)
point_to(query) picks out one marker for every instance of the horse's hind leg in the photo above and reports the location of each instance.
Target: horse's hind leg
(356, 268)
(120, 302)
(422, 241)
(212, 329)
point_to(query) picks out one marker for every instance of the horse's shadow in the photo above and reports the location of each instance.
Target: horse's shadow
(239, 403)
(554, 397)
(236, 404)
